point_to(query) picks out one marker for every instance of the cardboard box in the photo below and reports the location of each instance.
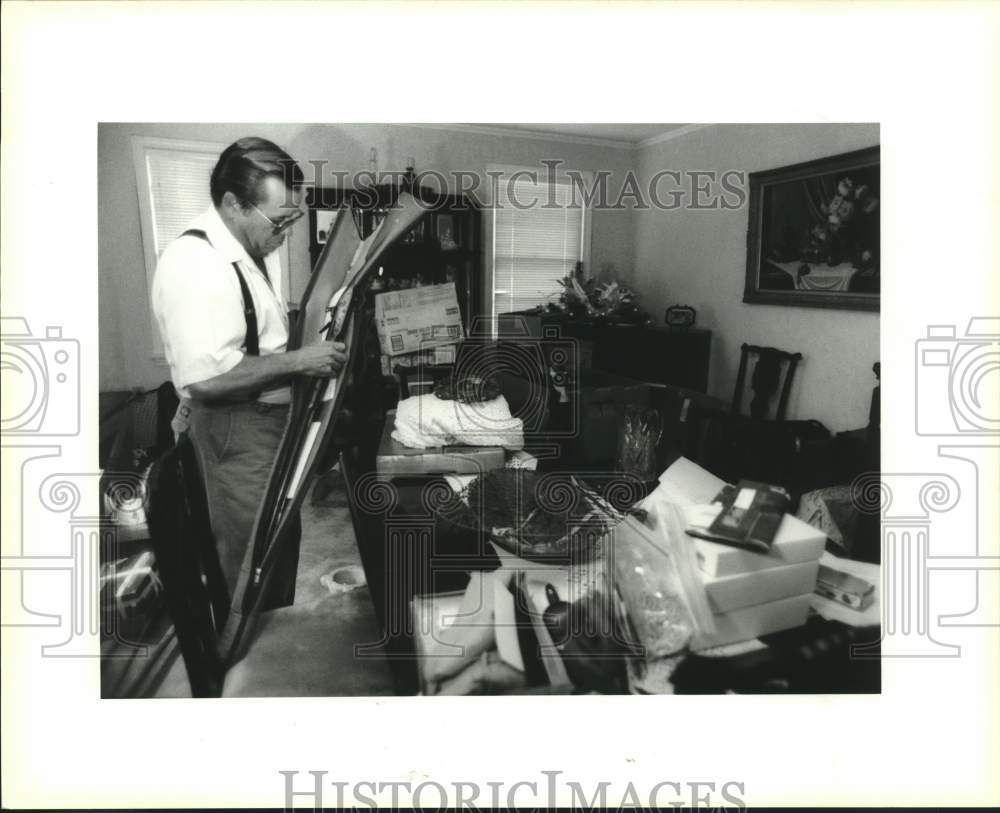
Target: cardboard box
(728, 593)
(417, 319)
(687, 483)
(795, 542)
(445, 354)
(752, 622)
(394, 459)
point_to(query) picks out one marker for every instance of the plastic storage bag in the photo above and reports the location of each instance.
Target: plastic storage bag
(657, 578)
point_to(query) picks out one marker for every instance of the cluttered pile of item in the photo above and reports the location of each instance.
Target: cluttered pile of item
(591, 595)
(594, 597)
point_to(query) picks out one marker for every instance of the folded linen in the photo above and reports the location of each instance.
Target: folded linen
(426, 421)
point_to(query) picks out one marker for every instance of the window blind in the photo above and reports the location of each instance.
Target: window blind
(534, 245)
(178, 191)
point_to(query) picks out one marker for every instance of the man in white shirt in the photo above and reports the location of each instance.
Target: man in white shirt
(216, 298)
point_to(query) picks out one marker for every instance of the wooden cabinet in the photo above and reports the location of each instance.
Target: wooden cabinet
(659, 355)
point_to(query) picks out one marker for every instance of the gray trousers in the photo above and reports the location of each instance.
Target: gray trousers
(236, 445)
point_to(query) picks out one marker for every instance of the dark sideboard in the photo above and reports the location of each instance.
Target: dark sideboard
(658, 355)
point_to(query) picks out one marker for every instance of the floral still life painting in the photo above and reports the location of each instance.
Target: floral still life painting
(813, 237)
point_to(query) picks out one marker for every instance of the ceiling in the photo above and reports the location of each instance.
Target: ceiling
(632, 133)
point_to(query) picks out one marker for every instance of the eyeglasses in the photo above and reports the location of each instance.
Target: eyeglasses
(285, 224)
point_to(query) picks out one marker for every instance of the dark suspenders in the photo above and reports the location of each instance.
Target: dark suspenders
(252, 341)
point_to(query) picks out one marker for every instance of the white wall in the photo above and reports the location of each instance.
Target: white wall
(125, 319)
(698, 258)
(678, 256)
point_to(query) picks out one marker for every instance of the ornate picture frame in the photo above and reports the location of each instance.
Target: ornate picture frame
(813, 237)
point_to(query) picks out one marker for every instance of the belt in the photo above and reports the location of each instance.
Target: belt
(260, 406)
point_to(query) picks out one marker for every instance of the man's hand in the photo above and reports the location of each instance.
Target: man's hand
(321, 359)
(255, 373)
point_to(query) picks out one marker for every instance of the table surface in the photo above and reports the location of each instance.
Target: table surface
(821, 277)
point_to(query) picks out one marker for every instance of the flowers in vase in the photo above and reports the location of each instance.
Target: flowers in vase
(593, 299)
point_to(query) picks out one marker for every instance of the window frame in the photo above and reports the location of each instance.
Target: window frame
(141, 147)
(506, 170)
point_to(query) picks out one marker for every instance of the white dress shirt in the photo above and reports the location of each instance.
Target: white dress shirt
(198, 306)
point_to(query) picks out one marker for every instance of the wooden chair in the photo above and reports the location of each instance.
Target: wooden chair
(765, 380)
(855, 454)
(760, 445)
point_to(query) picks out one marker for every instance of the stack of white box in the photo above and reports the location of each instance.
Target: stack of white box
(753, 594)
(750, 594)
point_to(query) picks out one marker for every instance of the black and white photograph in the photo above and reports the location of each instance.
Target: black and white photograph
(427, 487)
(364, 447)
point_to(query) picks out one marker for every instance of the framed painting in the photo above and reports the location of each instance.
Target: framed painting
(813, 238)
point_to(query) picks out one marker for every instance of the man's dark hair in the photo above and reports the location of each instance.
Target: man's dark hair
(245, 163)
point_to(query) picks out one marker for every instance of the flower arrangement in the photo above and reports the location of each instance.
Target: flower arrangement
(846, 233)
(591, 298)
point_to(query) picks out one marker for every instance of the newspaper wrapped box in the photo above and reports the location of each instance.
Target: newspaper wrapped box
(417, 318)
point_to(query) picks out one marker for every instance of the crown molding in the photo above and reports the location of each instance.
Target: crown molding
(670, 135)
(535, 135)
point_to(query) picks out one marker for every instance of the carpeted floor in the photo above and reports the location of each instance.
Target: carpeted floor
(327, 538)
(309, 649)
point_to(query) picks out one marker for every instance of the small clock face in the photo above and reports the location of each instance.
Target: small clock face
(680, 316)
